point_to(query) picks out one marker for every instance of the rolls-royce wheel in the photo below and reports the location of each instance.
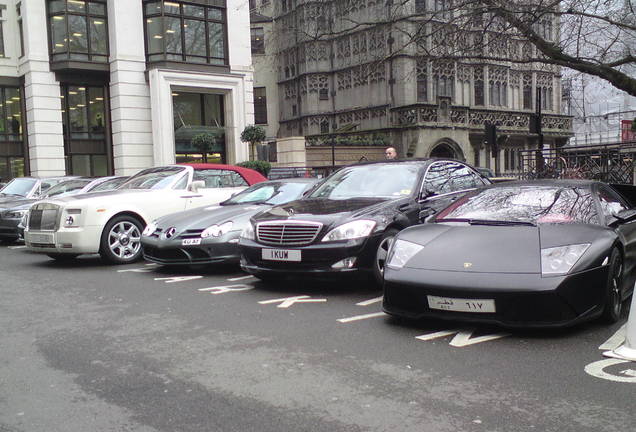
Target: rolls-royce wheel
(62, 256)
(120, 243)
(613, 299)
(382, 253)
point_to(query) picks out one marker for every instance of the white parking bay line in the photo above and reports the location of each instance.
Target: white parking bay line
(616, 340)
(370, 302)
(240, 278)
(361, 317)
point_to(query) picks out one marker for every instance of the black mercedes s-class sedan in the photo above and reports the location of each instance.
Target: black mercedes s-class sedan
(346, 225)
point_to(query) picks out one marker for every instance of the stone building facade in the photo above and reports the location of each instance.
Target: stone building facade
(97, 87)
(348, 84)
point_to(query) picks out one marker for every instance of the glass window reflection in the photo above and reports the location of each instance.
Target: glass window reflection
(78, 30)
(183, 32)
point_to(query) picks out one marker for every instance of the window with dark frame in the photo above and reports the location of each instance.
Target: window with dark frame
(260, 105)
(12, 146)
(258, 40)
(78, 30)
(3, 8)
(18, 10)
(186, 31)
(85, 130)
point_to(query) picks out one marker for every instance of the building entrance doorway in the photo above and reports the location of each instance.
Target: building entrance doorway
(443, 151)
(199, 127)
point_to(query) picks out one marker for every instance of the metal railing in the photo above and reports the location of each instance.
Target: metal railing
(612, 163)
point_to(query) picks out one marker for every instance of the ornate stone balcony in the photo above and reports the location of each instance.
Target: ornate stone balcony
(445, 115)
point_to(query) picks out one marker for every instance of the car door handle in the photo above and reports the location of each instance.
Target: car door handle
(405, 207)
(190, 196)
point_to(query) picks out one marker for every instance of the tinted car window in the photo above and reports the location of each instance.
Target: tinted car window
(463, 177)
(154, 178)
(109, 185)
(535, 204)
(374, 180)
(438, 177)
(19, 186)
(217, 178)
(610, 202)
(66, 186)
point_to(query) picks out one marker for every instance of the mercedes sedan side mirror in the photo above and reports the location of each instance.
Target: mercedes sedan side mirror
(623, 216)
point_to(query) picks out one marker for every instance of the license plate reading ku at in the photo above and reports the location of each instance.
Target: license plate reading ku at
(281, 255)
(461, 305)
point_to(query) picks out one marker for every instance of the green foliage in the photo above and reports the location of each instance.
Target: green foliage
(203, 142)
(262, 167)
(253, 134)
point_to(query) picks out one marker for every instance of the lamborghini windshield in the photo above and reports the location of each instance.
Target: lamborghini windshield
(373, 181)
(525, 204)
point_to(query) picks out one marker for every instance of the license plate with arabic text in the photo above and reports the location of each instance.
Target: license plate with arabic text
(461, 305)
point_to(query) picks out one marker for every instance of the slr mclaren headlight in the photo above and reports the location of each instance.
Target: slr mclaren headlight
(401, 252)
(351, 230)
(217, 230)
(560, 260)
(248, 232)
(150, 228)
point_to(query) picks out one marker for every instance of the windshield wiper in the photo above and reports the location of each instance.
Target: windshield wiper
(487, 222)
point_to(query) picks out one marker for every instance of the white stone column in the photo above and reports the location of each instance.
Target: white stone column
(130, 107)
(42, 95)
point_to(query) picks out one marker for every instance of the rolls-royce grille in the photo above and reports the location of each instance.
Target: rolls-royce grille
(287, 233)
(43, 217)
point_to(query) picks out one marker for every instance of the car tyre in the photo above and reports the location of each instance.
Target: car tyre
(121, 240)
(613, 304)
(62, 256)
(381, 254)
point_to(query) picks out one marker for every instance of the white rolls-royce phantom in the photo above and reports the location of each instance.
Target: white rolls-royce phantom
(111, 223)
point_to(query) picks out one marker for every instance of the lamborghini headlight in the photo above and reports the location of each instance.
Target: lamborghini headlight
(248, 232)
(217, 230)
(351, 230)
(560, 260)
(150, 228)
(401, 252)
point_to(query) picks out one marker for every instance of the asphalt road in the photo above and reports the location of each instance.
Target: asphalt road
(89, 347)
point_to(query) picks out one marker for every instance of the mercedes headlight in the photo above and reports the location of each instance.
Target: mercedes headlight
(217, 230)
(248, 232)
(401, 252)
(150, 228)
(350, 230)
(15, 214)
(560, 260)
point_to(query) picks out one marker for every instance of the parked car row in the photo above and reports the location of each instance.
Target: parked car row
(439, 237)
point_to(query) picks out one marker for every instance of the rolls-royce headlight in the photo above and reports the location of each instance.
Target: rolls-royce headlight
(150, 228)
(350, 230)
(560, 260)
(217, 230)
(248, 232)
(401, 252)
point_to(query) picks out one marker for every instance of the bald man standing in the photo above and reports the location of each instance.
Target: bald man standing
(390, 153)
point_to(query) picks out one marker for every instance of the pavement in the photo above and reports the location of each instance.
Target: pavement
(91, 347)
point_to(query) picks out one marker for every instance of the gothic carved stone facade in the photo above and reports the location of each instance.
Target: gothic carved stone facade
(336, 76)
